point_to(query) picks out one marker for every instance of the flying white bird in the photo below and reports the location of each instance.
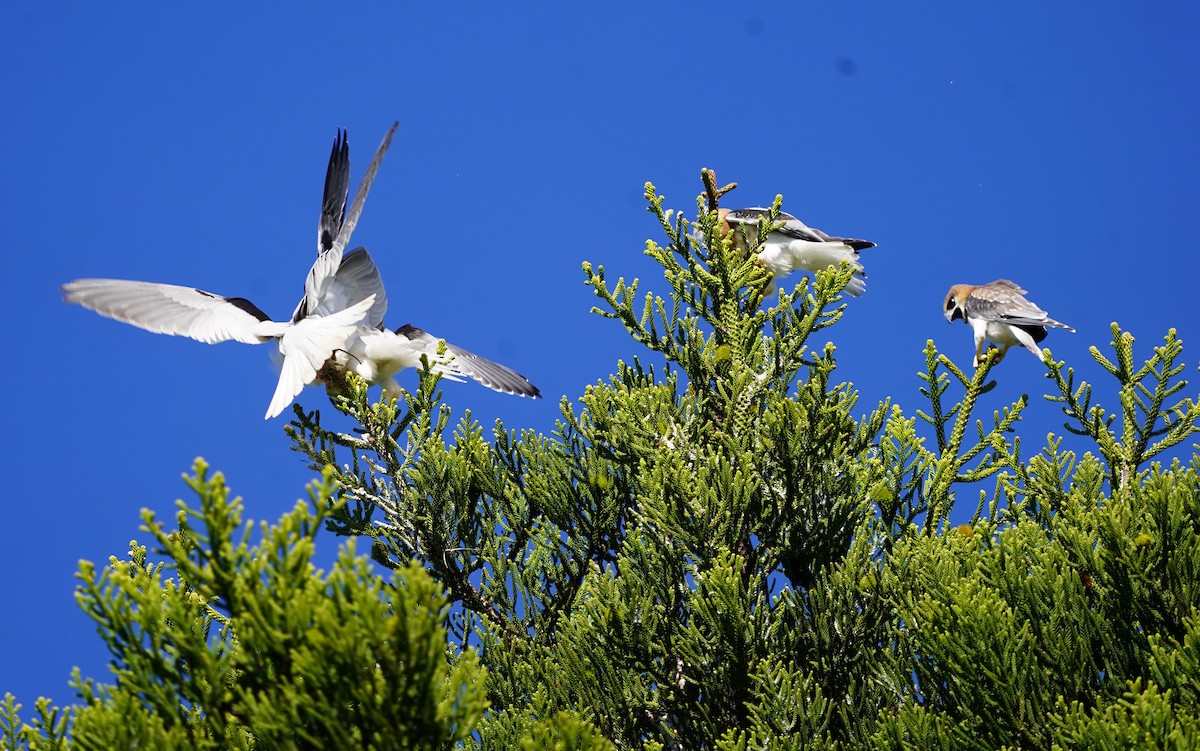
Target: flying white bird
(794, 245)
(334, 307)
(998, 312)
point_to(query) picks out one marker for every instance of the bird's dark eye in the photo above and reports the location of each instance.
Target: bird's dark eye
(949, 303)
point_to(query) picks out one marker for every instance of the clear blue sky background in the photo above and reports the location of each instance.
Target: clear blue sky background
(1053, 143)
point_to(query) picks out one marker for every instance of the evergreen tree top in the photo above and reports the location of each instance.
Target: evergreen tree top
(711, 551)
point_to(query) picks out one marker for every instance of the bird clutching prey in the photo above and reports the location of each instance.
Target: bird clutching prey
(329, 314)
(998, 312)
(341, 310)
(794, 245)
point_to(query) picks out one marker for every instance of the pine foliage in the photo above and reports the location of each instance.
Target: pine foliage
(715, 548)
(224, 644)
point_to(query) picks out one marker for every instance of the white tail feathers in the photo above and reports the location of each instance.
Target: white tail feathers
(308, 344)
(856, 286)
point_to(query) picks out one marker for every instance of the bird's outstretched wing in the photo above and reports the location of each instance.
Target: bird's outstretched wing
(330, 260)
(173, 309)
(491, 374)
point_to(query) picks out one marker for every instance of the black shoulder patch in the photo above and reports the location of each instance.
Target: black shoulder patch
(242, 303)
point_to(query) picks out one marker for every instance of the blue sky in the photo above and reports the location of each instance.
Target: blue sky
(1053, 143)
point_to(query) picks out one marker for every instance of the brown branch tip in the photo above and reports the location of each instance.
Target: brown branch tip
(711, 191)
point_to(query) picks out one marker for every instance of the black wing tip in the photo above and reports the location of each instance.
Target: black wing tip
(340, 153)
(507, 381)
(511, 386)
(337, 187)
(499, 377)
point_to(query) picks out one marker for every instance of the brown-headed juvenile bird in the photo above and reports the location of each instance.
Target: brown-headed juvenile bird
(998, 312)
(793, 246)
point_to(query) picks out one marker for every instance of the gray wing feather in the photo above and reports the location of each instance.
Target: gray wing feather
(329, 261)
(491, 374)
(752, 214)
(1004, 300)
(793, 227)
(356, 279)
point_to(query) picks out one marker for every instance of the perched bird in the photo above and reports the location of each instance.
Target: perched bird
(336, 303)
(999, 313)
(793, 246)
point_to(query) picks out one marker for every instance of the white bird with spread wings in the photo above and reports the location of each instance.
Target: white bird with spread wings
(332, 310)
(336, 327)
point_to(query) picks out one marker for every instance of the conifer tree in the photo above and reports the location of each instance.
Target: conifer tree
(715, 548)
(223, 644)
(719, 552)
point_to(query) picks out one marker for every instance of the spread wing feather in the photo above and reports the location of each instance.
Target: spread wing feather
(173, 309)
(793, 227)
(337, 191)
(355, 279)
(329, 261)
(491, 374)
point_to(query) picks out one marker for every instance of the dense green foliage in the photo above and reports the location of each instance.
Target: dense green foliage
(715, 553)
(232, 645)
